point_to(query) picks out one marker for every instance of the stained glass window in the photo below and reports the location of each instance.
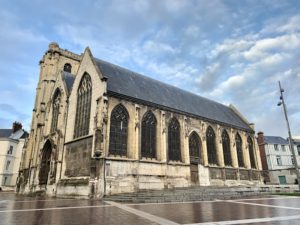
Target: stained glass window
(149, 135)
(194, 148)
(84, 95)
(239, 149)
(211, 146)
(55, 110)
(118, 131)
(174, 140)
(226, 148)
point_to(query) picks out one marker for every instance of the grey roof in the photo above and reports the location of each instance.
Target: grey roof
(25, 135)
(125, 83)
(275, 140)
(69, 79)
(5, 133)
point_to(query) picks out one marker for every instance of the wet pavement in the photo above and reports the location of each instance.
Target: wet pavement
(20, 210)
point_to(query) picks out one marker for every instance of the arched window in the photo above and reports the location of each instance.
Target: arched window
(55, 110)
(251, 152)
(239, 149)
(194, 148)
(226, 148)
(149, 135)
(84, 95)
(211, 146)
(174, 140)
(68, 67)
(118, 131)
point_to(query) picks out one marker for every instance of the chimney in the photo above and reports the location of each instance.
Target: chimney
(260, 138)
(16, 126)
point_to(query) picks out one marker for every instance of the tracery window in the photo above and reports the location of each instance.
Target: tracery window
(55, 110)
(174, 140)
(149, 135)
(251, 152)
(194, 148)
(239, 149)
(226, 148)
(118, 131)
(84, 95)
(67, 67)
(211, 146)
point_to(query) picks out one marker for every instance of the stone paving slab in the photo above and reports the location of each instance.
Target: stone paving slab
(83, 216)
(287, 202)
(188, 213)
(20, 210)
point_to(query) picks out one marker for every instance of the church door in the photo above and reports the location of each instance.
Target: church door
(194, 152)
(45, 163)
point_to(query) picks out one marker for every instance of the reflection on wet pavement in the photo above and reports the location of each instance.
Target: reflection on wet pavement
(21, 210)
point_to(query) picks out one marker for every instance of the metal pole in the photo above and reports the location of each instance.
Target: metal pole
(291, 143)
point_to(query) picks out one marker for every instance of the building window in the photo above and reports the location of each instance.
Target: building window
(68, 67)
(298, 149)
(251, 153)
(7, 165)
(283, 148)
(278, 160)
(239, 150)
(5, 180)
(84, 95)
(292, 159)
(174, 140)
(226, 148)
(10, 151)
(211, 146)
(118, 131)
(149, 135)
(276, 147)
(55, 110)
(194, 148)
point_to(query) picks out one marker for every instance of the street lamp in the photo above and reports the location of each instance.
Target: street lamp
(291, 143)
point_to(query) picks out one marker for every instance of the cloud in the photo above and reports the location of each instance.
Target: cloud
(231, 51)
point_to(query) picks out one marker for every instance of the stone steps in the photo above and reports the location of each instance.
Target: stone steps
(186, 194)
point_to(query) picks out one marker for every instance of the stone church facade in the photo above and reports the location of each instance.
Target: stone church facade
(99, 129)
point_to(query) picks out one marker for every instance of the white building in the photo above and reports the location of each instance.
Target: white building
(277, 159)
(11, 147)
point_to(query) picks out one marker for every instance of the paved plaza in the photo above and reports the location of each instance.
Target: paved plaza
(16, 209)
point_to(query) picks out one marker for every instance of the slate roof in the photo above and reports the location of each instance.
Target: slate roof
(125, 83)
(25, 135)
(5, 133)
(275, 140)
(69, 79)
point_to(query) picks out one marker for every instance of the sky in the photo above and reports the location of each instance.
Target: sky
(230, 51)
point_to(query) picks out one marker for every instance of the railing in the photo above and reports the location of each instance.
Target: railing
(234, 174)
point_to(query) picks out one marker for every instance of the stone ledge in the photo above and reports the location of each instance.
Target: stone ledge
(74, 182)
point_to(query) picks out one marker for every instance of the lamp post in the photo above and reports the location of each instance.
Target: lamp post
(291, 143)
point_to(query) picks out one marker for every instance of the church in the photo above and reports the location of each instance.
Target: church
(99, 129)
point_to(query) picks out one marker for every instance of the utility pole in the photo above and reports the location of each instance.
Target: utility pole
(291, 142)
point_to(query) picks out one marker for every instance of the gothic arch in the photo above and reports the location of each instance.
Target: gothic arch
(226, 148)
(68, 67)
(118, 131)
(56, 100)
(251, 152)
(148, 148)
(45, 163)
(174, 149)
(83, 108)
(211, 146)
(195, 148)
(239, 150)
